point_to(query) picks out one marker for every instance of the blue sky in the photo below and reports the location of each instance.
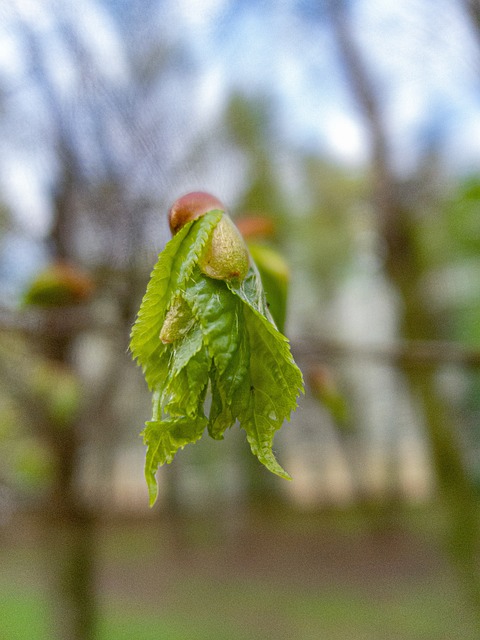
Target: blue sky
(421, 55)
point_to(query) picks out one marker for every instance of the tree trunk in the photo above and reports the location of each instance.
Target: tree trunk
(68, 522)
(403, 267)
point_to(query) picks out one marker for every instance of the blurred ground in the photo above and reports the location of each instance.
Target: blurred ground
(283, 576)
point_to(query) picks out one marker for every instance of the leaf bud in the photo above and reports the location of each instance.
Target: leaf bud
(225, 256)
(190, 206)
(178, 321)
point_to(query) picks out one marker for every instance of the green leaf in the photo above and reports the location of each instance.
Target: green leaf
(218, 335)
(221, 416)
(185, 388)
(221, 318)
(252, 293)
(256, 380)
(275, 380)
(163, 439)
(275, 383)
(275, 279)
(168, 277)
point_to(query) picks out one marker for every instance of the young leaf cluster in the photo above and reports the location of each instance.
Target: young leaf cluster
(217, 337)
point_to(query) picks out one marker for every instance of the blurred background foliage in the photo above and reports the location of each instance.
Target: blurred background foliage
(343, 135)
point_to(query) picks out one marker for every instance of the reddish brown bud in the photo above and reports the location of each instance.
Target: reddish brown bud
(255, 227)
(190, 206)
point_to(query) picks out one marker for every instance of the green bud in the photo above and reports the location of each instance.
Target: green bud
(178, 321)
(225, 256)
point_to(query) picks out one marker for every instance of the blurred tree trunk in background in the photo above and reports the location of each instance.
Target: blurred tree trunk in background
(68, 521)
(110, 148)
(472, 8)
(404, 267)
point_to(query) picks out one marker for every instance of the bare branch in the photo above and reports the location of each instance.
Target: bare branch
(418, 353)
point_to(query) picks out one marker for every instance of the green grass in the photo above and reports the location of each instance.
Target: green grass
(22, 614)
(202, 595)
(252, 610)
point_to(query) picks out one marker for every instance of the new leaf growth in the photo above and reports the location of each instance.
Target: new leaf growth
(204, 327)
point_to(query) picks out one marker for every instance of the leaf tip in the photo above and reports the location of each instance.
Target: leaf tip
(152, 488)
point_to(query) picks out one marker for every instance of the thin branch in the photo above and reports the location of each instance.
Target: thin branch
(75, 320)
(407, 353)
